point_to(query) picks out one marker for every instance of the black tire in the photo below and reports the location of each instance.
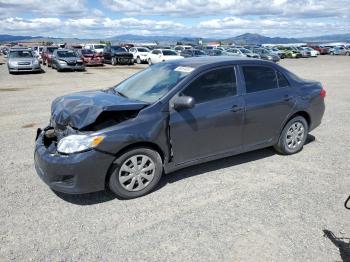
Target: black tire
(115, 185)
(282, 144)
(114, 61)
(149, 61)
(138, 60)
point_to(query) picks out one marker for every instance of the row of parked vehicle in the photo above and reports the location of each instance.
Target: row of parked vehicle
(78, 57)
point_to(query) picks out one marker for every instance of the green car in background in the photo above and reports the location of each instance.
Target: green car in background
(290, 52)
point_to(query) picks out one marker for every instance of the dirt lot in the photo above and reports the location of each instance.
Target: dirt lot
(258, 206)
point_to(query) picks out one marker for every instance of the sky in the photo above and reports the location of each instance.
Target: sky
(196, 18)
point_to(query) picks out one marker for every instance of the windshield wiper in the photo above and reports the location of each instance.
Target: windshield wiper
(120, 93)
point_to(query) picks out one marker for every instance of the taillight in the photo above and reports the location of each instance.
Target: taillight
(323, 92)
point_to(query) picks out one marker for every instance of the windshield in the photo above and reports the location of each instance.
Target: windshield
(87, 52)
(245, 51)
(21, 54)
(66, 54)
(169, 52)
(142, 50)
(99, 46)
(152, 83)
(198, 52)
(51, 49)
(118, 48)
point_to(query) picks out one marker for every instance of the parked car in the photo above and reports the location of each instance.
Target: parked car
(304, 53)
(180, 48)
(266, 54)
(290, 52)
(67, 59)
(97, 48)
(37, 52)
(90, 58)
(22, 60)
(192, 53)
(46, 54)
(243, 52)
(276, 51)
(139, 54)
(162, 55)
(313, 52)
(216, 52)
(170, 116)
(235, 52)
(339, 50)
(322, 49)
(117, 55)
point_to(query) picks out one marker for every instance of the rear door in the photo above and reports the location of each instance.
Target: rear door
(269, 100)
(214, 124)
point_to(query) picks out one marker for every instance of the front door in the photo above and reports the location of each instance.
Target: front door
(214, 124)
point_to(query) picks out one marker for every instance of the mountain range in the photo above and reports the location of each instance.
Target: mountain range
(247, 38)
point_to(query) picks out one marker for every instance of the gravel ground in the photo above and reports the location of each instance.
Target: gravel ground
(259, 206)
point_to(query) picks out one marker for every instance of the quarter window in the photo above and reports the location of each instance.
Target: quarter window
(282, 80)
(212, 85)
(259, 78)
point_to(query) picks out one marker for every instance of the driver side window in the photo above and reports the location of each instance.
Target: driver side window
(213, 85)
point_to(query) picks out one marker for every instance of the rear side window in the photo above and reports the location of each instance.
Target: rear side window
(212, 85)
(282, 80)
(259, 78)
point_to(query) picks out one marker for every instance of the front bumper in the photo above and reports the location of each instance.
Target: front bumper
(78, 67)
(78, 173)
(16, 69)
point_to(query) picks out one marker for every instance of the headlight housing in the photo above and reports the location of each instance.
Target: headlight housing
(78, 143)
(62, 62)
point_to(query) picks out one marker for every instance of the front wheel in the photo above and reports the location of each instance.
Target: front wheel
(136, 173)
(138, 60)
(149, 61)
(293, 136)
(114, 61)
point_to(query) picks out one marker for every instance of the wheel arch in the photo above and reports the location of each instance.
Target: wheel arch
(303, 114)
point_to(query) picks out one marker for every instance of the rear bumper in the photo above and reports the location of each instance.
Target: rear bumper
(73, 174)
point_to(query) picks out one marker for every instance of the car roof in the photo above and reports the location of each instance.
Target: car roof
(19, 48)
(65, 49)
(197, 62)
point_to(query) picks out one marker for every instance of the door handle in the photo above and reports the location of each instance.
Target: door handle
(236, 108)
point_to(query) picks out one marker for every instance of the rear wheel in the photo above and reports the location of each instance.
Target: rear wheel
(136, 173)
(293, 136)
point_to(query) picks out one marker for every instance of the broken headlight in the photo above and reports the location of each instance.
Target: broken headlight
(78, 143)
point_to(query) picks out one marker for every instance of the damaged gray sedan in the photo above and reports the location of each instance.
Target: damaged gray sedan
(170, 116)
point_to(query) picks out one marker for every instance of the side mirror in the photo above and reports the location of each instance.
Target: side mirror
(184, 102)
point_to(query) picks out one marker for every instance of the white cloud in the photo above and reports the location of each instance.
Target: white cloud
(88, 27)
(227, 18)
(190, 8)
(43, 8)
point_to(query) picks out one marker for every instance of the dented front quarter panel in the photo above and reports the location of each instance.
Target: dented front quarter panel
(149, 126)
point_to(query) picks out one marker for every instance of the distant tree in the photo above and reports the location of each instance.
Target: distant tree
(105, 42)
(48, 43)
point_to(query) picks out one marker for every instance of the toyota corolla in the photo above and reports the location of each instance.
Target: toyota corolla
(170, 116)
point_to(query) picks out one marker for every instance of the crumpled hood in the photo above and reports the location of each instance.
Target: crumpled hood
(81, 109)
